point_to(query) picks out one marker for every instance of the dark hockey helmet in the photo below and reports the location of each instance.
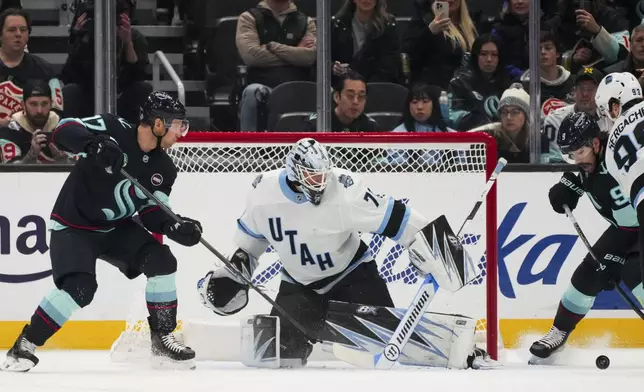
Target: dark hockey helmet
(162, 105)
(576, 131)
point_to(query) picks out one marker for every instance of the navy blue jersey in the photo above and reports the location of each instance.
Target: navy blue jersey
(607, 196)
(92, 198)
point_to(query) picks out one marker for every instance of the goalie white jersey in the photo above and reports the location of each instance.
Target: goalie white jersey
(625, 153)
(319, 245)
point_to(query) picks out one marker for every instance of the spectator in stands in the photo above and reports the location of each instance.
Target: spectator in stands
(364, 39)
(556, 82)
(278, 44)
(513, 30)
(27, 137)
(17, 66)
(436, 45)
(512, 132)
(131, 63)
(421, 114)
(478, 85)
(598, 32)
(634, 63)
(350, 97)
(422, 110)
(586, 82)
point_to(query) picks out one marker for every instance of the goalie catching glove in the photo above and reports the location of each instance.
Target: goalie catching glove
(436, 251)
(222, 290)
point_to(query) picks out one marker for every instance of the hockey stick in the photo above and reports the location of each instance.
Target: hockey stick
(390, 354)
(221, 257)
(602, 267)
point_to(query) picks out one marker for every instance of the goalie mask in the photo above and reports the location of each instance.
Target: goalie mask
(308, 164)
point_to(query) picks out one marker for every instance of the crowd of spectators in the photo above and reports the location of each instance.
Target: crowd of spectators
(441, 68)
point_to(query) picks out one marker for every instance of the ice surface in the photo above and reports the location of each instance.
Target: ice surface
(92, 371)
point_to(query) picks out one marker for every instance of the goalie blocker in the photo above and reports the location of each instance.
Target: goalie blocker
(442, 340)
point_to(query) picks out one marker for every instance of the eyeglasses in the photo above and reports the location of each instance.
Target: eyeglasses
(510, 112)
(353, 96)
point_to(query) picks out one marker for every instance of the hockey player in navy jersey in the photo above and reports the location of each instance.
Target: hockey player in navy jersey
(581, 138)
(92, 219)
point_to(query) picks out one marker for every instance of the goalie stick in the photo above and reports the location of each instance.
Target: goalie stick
(220, 256)
(390, 354)
(602, 267)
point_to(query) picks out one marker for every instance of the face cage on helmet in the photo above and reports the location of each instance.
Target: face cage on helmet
(305, 176)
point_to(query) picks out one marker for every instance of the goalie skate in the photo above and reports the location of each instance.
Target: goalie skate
(20, 357)
(543, 349)
(170, 353)
(481, 360)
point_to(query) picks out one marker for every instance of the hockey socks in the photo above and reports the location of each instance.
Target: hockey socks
(54, 310)
(573, 308)
(161, 298)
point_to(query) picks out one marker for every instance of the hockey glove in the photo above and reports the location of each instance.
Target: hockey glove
(105, 153)
(187, 233)
(566, 192)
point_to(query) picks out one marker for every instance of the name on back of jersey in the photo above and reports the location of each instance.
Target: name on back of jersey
(619, 128)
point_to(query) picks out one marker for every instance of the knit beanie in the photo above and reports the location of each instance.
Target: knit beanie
(516, 96)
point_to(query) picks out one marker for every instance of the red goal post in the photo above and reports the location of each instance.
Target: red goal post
(440, 173)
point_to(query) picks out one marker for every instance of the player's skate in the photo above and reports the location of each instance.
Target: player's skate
(20, 357)
(168, 352)
(553, 342)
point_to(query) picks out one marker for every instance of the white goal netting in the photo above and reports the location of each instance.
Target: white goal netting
(434, 173)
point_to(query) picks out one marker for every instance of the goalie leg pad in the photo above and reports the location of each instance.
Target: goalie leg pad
(438, 252)
(439, 340)
(260, 341)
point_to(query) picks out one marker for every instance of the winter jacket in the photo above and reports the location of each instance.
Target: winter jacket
(273, 62)
(475, 99)
(379, 58)
(433, 58)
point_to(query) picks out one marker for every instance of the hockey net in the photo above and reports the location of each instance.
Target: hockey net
(436, 173)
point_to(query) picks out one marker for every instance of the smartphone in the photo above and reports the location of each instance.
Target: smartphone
(441, 9)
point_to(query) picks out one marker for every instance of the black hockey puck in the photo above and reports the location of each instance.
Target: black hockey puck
(602, 362)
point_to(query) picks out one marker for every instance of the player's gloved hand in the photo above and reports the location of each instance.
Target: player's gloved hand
(106, 153)
(567, 191)
(187, 233)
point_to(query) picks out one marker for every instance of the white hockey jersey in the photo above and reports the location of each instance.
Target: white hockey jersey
(625, 153)
(552, 123)
(319, 245)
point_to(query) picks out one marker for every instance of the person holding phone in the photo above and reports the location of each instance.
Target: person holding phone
(27, 137)
(438, 36)
(364, 40)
